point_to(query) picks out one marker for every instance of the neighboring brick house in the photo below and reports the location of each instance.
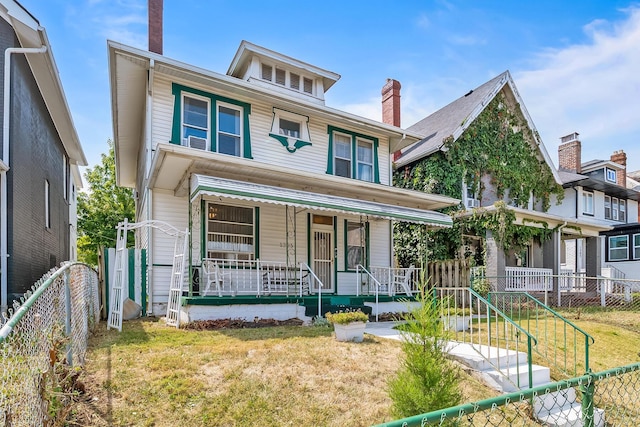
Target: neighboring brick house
(41, 153)
(451, 123)
(602, 191)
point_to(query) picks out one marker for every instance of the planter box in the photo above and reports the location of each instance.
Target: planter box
(353, 331)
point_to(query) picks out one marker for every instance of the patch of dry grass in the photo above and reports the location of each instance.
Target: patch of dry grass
(153, 375)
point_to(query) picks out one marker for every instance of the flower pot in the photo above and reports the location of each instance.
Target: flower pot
(353, 331)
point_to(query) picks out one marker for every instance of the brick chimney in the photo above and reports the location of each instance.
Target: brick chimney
(620, 157)
(155, 26)
(391, 102)
(570, 153)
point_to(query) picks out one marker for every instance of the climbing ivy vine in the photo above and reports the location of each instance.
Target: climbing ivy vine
(497, 149)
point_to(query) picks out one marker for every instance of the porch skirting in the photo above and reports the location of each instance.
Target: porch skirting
(282, 308)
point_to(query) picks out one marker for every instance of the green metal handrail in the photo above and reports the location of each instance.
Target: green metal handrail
(537, 320)
(520, 332)
(455, 412)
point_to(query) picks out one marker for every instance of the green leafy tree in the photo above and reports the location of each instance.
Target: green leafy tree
(427, 380)
(101, 208)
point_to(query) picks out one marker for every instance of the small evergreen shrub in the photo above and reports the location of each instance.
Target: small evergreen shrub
(427, 380)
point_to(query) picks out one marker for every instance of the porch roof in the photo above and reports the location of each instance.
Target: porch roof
(212, 186)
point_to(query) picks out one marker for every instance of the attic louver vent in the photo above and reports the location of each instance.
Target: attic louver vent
(280, 76)
(266, 72)
(308, 85)
(294, 81)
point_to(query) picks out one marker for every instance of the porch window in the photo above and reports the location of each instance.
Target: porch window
(587, 203)
(618, 248)
(353, 155)
(356, 244)
(230, 232)
(636, 246)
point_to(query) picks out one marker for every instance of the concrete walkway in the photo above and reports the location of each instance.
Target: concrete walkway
(383, 330)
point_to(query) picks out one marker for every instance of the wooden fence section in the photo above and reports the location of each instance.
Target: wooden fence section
(454, 273)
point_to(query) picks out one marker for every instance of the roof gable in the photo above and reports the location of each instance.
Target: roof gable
(453, 119)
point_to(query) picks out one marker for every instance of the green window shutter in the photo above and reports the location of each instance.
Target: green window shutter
(177, 114)
(376, 167)
(330, 151)
(354, 157)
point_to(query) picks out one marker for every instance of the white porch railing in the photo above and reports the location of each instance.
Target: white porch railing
(224, 277)
(571, 281)
(393, 281)
(524, 279)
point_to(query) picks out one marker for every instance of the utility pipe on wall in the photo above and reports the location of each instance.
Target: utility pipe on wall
(5, 158)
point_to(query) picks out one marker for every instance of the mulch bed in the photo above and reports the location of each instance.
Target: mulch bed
(202, 325)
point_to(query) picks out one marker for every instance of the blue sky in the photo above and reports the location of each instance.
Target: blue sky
(576, 63)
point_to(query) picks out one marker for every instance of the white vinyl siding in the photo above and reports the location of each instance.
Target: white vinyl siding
(175, 211)
(263, 149)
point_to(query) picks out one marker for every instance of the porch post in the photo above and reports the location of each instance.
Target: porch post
(495, 263)
(594, 262)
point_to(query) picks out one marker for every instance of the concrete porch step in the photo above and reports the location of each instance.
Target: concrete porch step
(482, 357)
(570, 416)
(510, 377)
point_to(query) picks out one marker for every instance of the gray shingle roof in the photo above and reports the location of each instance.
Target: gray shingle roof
(444, 122)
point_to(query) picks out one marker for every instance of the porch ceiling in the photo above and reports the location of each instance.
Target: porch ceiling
(174, 165)
(207, 185)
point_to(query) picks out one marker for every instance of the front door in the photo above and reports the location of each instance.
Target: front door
(322, 253)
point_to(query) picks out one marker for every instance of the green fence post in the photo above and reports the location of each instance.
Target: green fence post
(588, 390)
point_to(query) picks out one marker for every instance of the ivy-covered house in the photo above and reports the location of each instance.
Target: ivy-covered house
(484, 149)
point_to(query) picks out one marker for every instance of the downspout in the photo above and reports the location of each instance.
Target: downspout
(5, 158)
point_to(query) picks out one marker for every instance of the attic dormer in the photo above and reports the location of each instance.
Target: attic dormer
(284, 74)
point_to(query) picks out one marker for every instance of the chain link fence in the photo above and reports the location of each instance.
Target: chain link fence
(609, 398)
(43, 341)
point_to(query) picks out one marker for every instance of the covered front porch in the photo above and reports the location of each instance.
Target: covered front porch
(275, 242)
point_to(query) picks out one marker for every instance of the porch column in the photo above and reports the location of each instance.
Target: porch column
(551, 253)
(594, 261)
(495, 263)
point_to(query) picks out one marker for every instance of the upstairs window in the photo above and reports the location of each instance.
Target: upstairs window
(365, 160)
(343, 155)
(587, 203)
(615, 209)
(611, 175)
(195, 122)
(618, 248)
(229, 125)
(47, 204)
(289, 128)
(285, 78)
(353, 155)
(471, 198)
(209, 122)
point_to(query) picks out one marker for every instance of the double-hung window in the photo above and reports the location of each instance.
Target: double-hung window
(353, 155)
(342, 148)
(195, 122)
(618, 248)
(615, 209)
(636, 246)
(229, 128)
(607, 207)
(210, 122)
(587, 203)
(622, 211)
(365, 160)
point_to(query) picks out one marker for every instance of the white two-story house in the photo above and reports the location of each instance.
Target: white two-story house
(597, 190)
(283, 197)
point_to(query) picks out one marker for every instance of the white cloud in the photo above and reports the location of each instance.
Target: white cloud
(592, 88)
